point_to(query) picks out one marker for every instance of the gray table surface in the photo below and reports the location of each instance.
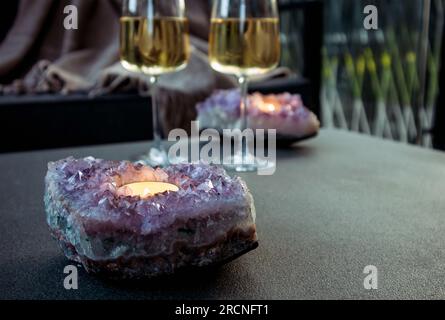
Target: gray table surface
(336, 204)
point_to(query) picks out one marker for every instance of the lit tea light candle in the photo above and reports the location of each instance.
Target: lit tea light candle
(285, 113)
(267, 107)
(269, 104)
(147, 189)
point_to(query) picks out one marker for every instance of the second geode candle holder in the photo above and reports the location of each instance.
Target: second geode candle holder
(284, 112)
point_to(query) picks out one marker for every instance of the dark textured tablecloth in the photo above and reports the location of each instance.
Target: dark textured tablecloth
(336, 204)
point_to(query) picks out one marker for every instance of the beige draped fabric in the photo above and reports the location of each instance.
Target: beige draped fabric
(44, 57)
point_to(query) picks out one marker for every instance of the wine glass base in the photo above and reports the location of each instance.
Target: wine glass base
(249, 163)
(155, 158)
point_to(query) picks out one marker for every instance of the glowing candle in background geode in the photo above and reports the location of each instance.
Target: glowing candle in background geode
(267, 104)
(284, 112)
(146, 189)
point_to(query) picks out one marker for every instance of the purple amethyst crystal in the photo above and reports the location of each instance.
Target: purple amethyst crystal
(284, 112)
(220, 110)
(210, 220)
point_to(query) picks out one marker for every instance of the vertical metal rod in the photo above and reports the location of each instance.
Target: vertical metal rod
(423, 56)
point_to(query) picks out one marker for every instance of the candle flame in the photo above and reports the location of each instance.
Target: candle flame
(146, 189)
(267, 107)
(266, 104)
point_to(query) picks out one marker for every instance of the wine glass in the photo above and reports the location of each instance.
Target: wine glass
(244, 42)
(154, 40)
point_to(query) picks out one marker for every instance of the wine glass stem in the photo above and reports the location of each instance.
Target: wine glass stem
(157, 129)
(243, 83)
(244, 111)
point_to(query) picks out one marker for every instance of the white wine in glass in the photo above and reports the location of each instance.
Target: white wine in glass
(245, 42)
(245, 47)
(154, 40)
(130, 56)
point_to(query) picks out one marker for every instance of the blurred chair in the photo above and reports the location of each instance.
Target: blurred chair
(9, 12)
(54, 121)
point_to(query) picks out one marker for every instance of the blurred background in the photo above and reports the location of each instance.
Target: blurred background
(384, 83)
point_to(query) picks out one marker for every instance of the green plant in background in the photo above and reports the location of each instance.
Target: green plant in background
(380, 82)
(404, 85)
(376, 82)
(356, 73)
(380, 87)
(333, 112)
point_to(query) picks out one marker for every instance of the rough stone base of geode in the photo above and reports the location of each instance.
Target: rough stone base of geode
(184, 259)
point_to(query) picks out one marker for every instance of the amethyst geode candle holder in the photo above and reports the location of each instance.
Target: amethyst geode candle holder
(210, 220)
(284, 112)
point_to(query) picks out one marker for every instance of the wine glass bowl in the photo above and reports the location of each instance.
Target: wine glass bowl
(246, 47)
(164, 45)
(130, 56)
(245, 42)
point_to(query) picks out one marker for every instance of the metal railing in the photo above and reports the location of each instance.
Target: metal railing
(381, 82)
